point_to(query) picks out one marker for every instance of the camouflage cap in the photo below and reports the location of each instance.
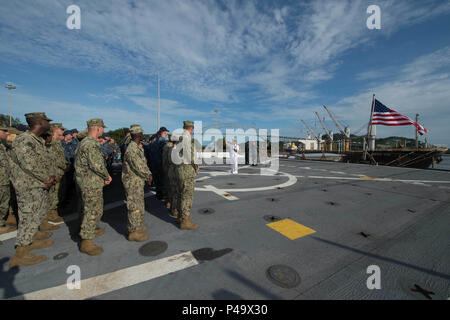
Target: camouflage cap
(188, 123)
(57, 125)
(14, 131)
(82, 134)
(136, 129)
(135, 125)
(96, 122)
(37, 115)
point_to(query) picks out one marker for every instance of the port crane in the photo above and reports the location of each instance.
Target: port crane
(327, 132)
(311, 131)
(345, 132)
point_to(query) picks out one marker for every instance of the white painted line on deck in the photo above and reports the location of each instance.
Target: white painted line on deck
(220, 192)
(203, 178)
(415, 182)
(116, 280)
(9, 235)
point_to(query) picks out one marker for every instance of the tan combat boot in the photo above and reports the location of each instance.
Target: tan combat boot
(42, 235)
(54, 216)
(23, 258)
(89, 247)
(137, 236)
(141, 229)
(7, 229)
(11, 221)
(98, 232)
(174, 213)
(40, 244)
(186, 224)
(46, 226)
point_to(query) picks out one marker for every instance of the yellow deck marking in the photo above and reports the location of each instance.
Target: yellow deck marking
(367, 178)
(290, 228)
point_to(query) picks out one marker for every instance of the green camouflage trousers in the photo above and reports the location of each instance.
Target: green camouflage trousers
(172, 189)
(134, 192)
(185, 189)
(5, 196)
(53, 195)
(79, 198)
(92, 200)
(33, 209)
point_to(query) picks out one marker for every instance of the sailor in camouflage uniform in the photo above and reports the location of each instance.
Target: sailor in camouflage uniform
(31, 176)
(166, 150)
(51, 160)
(126, 141)
(91, 176)
(13, 210)
(171, 182)
(135, 174)
(61, 165)
(5, 191)
(185, 173)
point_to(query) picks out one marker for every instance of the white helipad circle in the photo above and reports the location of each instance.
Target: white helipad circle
(291, 181)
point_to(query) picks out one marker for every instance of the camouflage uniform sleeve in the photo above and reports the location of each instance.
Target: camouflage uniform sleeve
(52, 163)
(137, 162)
(62, 162)
(28, 162)
(4, 166)
(96, 162)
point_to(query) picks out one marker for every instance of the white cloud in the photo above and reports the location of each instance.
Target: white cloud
(130, 89)
(210, 52)
(421, 86)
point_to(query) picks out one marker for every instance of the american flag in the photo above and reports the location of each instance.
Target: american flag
(382, 115)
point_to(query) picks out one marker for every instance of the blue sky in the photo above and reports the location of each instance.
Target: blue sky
(261, 63)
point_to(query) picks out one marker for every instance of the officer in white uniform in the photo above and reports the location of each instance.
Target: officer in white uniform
(234, 149)
(253, 153)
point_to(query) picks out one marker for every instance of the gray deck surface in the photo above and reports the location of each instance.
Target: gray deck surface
(407, 223)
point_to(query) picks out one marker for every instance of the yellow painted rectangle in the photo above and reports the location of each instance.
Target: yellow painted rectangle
(290, 228)
(367, 178)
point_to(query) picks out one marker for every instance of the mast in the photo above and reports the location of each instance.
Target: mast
(370, 128)
(159, 124)
(417, 130)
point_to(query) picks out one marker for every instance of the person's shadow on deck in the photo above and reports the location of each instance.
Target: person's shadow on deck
(7, 279)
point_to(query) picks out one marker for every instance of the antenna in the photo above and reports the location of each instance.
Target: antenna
(159, 112)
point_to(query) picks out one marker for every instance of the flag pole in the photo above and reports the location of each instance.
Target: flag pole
(417, 131)
(366, 145)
